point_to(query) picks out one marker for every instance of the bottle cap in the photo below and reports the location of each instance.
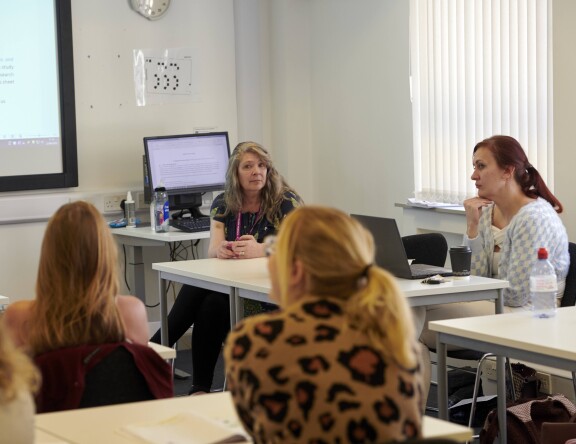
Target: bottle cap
(542, 253)
(160, 187)
(129, 197)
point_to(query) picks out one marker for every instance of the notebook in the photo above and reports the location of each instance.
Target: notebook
(390, 252)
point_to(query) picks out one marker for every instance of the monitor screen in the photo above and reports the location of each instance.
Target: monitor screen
(187, 166)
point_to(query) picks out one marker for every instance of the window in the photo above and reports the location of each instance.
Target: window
(478, 68)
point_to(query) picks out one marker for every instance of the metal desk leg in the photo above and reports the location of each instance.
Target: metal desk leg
(500, 302)
(139, 274)
(501, 388)
(233, 298)
(163, 312)
(442, 378)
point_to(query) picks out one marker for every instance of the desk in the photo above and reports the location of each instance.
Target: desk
(137, 238)
(520, 336)
(164, 352)
(248, 279)
(101, 424)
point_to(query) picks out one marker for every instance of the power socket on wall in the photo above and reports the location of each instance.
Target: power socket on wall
(112, 202)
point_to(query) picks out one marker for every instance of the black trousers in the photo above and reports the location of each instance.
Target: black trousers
(209, 312)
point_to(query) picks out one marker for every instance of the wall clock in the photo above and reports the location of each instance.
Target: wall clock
(151, 9)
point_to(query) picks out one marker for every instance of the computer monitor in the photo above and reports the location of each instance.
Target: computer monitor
(187, 166)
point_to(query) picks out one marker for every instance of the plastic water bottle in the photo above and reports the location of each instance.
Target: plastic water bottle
(161, 210)
(130, 211)
(543, 286)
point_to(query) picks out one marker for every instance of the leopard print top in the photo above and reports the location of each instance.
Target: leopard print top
(303, 375)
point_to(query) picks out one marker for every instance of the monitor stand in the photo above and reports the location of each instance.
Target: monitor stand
(196, 213)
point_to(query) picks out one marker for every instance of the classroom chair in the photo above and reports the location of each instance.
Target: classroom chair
(101, 374)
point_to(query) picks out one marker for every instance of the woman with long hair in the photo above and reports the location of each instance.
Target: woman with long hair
(18, 380)
(77, 299)
(339, 360)
(513, 215)
(255, 201)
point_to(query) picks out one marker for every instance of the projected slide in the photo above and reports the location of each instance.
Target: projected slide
(30, 139)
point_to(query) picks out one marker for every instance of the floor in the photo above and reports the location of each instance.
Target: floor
(184, 363)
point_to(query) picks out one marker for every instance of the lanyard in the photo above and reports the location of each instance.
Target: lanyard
(238, 220)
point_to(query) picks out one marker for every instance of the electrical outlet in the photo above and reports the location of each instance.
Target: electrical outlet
(490, 369)
(112, 203)
(545, 382)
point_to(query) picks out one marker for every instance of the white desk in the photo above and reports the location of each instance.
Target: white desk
(166, 353)
(248, 279)
(140, 237)
(101, 424)
(549, 342)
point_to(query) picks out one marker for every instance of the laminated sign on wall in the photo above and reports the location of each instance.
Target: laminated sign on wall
(165, 76)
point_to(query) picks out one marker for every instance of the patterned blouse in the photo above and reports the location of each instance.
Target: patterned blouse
(536, 225)
(303, 375)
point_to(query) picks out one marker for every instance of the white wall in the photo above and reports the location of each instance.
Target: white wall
(564, 35)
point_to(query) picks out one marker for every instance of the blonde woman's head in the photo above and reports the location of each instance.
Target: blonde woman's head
(324, 252)
(17, 373)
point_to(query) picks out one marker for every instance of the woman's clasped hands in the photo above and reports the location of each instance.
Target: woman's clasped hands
(245, 247)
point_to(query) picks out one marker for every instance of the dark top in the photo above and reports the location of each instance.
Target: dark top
(248, 222)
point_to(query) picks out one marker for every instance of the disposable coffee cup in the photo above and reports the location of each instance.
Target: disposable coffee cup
(461, 258)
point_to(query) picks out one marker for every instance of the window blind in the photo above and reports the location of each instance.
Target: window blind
(477, 68)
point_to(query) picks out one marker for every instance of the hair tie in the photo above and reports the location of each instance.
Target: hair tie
(363, 278)
(529, 167)
(366, 270)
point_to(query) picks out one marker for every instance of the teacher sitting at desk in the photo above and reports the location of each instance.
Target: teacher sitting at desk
(513, 215)
(339, 361)
(254, 202)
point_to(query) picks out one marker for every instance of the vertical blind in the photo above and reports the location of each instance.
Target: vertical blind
(477, 68)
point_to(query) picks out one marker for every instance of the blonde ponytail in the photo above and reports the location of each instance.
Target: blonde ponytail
(379, 310)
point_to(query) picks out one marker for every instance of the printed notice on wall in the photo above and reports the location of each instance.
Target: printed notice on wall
(165, 76)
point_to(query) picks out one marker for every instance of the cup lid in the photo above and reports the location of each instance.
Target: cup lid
(461, 248)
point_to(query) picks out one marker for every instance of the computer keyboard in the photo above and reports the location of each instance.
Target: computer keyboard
(191, 224)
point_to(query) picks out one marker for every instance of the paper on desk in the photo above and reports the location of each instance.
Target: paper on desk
(187, 428)
(427, 204)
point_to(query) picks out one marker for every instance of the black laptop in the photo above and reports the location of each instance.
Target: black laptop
(390, 252)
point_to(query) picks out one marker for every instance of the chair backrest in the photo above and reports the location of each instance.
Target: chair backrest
(115, 380)
(101, 374)
(426, 248)
(569, 298)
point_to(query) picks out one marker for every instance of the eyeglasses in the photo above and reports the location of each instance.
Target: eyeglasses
(270, 245)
